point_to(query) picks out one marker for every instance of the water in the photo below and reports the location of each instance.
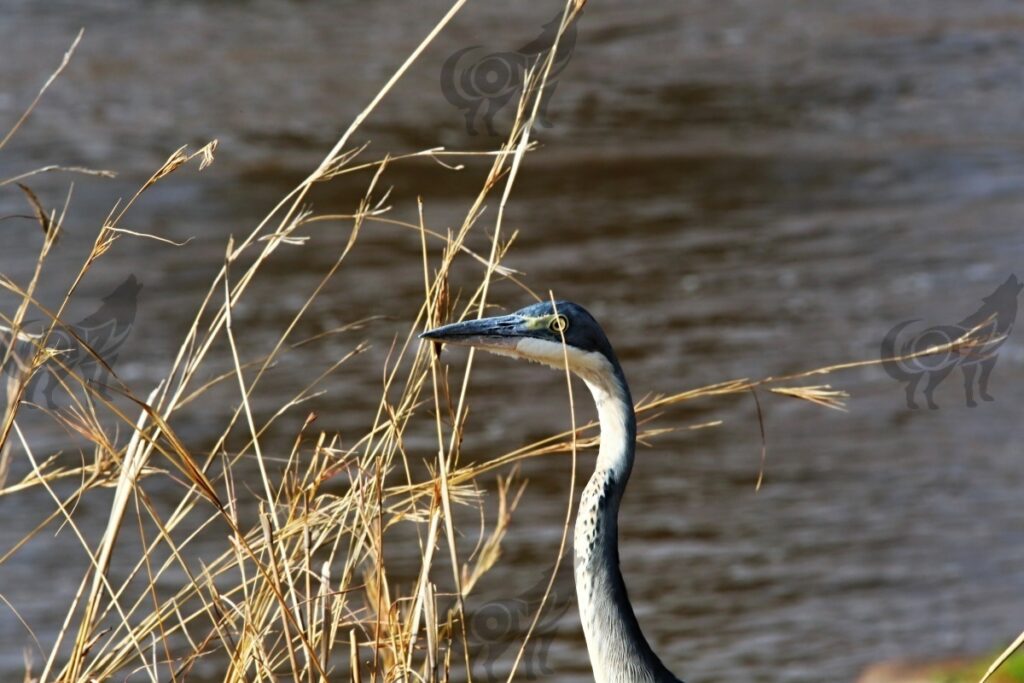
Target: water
(733, 189)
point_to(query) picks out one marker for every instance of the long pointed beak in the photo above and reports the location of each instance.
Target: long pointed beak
(490, 333)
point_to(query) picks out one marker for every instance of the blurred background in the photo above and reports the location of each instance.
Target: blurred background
(734, 189)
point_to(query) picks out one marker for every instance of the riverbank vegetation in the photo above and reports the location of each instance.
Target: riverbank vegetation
(303, 587)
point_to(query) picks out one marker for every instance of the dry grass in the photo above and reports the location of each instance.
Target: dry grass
(301, 588)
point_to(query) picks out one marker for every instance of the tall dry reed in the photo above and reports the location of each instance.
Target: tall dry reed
(301, 588)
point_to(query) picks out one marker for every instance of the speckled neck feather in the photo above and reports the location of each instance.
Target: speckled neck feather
(619, 653)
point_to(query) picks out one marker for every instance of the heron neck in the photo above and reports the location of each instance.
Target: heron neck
(617, 419)
(617, 647)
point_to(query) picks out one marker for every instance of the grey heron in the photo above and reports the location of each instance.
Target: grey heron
(619, 652)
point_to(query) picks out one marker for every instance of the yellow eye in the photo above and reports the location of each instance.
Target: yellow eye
(559, 324)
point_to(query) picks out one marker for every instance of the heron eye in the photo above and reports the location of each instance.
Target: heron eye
(559, 324)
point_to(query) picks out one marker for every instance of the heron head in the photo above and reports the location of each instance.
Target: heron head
(535, 333)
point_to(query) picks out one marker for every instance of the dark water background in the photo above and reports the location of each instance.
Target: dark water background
(733, 188)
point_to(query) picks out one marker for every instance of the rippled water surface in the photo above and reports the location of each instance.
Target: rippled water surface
(734, 189)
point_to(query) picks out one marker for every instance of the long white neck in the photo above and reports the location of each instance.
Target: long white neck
(619, 653)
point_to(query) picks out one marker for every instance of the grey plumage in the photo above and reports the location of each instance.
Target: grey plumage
(619, 652)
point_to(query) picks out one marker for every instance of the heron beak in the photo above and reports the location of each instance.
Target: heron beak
(500, 333)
